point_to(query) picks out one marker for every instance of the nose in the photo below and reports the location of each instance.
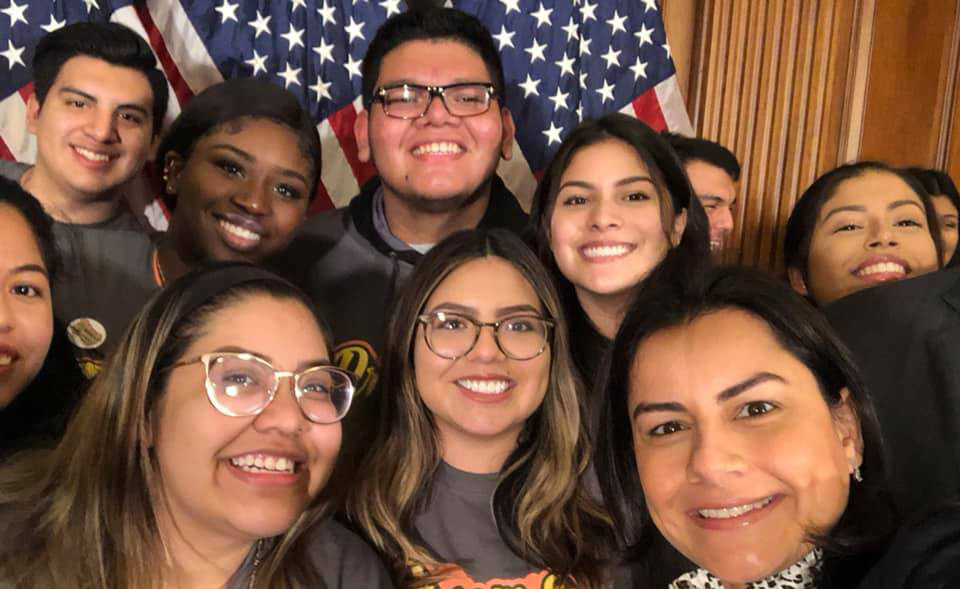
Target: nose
(6, 314)
(283, 413)
(437, 112)
(102, 126)
(486, 348)
(723, 219)
(604, 215)
(881, 235)
(255, 197)
(715, 457)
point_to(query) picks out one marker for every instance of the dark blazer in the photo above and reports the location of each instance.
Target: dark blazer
(906, 339)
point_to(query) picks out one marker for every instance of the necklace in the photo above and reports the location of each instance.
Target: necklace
(256, 563)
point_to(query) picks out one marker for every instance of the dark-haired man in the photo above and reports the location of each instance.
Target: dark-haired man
(96, 110)
(713, 171)
(435, 125)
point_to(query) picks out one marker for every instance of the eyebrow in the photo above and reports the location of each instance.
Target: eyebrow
(862, 209)
(501, 312)
(717, 199)
(31, 268)
(301, 366)
(621, 182)
(410, 82)
(724, 395)
(90, 97)
(250, 158)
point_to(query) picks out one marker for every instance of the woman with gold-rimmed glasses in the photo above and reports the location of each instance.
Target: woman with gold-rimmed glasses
(479, 408)
(197, 457)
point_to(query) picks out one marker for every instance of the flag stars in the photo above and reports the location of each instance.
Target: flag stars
(612, 58)
(257, 62)
(353, 67)
(326, 14)
(54, 24)
(666, 47)
(530, 87)
(511, 5)
(227, 11)
(391, 6)
(560, 100)
(587, 11)
(325, 51)
(16, 13)
(606, 91)
(298, 4)
(355, 30)
(649, 5)
(617, 23)
(294, 37)
(566, 65)
(261, 25)
(13, 55)
(585, 46)
(644, 35)
(542, 15)
(290, 75)
(504, 37)
(322, 89)
(536, 51)
(553, 134)
(572, 30)
(91, 4)
(639, 70)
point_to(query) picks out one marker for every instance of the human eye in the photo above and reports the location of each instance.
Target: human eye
(289, 192)
(449, 322)
(404, 95)
(26, 290)
(755, 409)
(574, 200)
(908, 223)
(132, 117)
(846, 227)
(231, 167)
(520, 324)
(76, 102)
(666, 429)
(636, 197)
(949, 223)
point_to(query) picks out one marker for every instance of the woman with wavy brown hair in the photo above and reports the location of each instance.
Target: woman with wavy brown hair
(196, 458)
(479, 408)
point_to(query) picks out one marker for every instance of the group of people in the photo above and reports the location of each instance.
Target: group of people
(432, 388)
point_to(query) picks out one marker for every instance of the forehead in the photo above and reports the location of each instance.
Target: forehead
(874, 189)
(18, 245)
(485, 283)
(943, 204)
(263, 138)
(104, 80)
(708, 178)
(433, 62)
(609, 160)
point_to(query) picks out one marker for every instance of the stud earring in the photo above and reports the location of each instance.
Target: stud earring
(856, 474)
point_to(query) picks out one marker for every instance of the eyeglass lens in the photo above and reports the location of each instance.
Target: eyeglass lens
(243, 386)
(452, 336)
(460, 101)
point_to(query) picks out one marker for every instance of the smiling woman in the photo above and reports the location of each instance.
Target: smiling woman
(240, 166)
(196, 458)
(739, 430)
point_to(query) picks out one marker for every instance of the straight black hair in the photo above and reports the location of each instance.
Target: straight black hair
(697, 148)
(936, 183)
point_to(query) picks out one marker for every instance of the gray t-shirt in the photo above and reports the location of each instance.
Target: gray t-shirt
(458, 526)
(343, 560)
(106, 278)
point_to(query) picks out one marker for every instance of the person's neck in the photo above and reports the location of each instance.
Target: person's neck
(415, 226)
(477, 455)
(604, 311)
(70, 207)
(198, 558)
(171, 264)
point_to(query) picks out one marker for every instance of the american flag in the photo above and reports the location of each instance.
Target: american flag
(564, 60)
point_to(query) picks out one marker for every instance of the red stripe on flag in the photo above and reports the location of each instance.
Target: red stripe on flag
(647, 107)
(5, 153)
(26, 90)
(321, 200)
(179, 85)
(342, 124)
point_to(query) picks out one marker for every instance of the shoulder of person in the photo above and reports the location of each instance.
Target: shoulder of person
(344, 560)
(924, 555)
(13, 171)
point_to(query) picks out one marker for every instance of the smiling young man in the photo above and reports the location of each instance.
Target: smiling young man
(96, 111)
(435, 125)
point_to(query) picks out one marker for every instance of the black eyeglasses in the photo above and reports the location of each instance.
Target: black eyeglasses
(240, 384)
(411, 101)
(451, 335)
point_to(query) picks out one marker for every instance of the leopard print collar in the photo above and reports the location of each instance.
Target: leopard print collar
(800, 575)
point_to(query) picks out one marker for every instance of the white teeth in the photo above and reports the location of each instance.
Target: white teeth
(92, 155)
(239, 231)
(728, 512)
(882, 268)
(261, 463)
(5, 360)
(486, 387)
(440, 147)
(605, 251)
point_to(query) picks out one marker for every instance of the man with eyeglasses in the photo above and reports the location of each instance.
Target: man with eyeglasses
(435, 125)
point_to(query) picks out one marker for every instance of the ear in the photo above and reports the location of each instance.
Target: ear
(679, 225)
(33, 113)
(795, 278)
(360, 132)
(846, 424)
(509, 131)
(172, 167)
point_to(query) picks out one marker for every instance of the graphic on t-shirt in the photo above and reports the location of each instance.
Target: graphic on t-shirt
(359, 359)
(459, 579)
(87, 335)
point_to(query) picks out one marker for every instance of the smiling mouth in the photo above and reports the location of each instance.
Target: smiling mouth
(259, 463)
(734, 511)
(881, 268)
(485, 387)
(438, 148)
(239, 232)
(6, 360)
(601, 252)
(91, 155)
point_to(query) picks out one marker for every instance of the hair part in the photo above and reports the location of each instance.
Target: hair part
(83, 512)
(431, 23)
(700, 149)
(802, 332)
(542, 510)
(111, 42)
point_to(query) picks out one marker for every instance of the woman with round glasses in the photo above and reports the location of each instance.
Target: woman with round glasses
(479, 410)
(196, 458)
